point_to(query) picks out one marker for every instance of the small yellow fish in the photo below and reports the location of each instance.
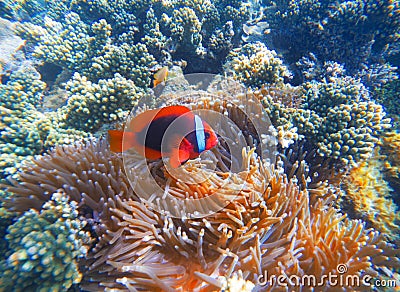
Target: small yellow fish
(160, 76)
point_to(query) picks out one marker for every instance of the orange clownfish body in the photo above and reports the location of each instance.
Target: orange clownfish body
(172, 131)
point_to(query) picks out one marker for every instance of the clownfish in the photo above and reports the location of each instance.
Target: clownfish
(184, 135)
(160, 76)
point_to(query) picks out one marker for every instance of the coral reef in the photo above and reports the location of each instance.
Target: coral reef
(25, 130)
(91, 105)
(336, 115)
(255, 65)
(389, 96)
(390, 149)
(116, 37)
(88, 49)
(270, 226)
(368, 196)
(43, 248)
(349, 32)
(71, 218)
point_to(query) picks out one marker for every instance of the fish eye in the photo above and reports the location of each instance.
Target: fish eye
(207, 135)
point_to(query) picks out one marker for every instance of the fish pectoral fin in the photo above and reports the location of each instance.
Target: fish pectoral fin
(178, 157)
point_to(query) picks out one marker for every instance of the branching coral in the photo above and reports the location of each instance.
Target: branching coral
(91, 105)
(349, 32)
(345, 122)
(336, 115)
(256, 65)
(113, 34)
(88, 49)
(390, 148)
(26, 131)
(44, 247)
(389, 96)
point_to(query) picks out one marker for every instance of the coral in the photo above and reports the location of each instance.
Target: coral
(377, 75)
(368, 196)
(44, 247)
(91, 105)
(346, 124)
(20, 136)
(255, 65)
(388, 95)
(321, 176)
(21, 10)
(26, 131)
(349, 32)
(116, 34)
(313, 69)
(269, 226)
(335, 114)
(88, 49)
(390, 149)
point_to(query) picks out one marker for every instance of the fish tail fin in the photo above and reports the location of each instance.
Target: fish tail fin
(121, 141)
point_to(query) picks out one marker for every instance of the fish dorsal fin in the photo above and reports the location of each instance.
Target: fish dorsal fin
(173, 110)
(144, 119)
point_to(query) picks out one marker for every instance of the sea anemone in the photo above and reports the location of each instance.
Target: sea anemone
(270, 226)
(266, 222)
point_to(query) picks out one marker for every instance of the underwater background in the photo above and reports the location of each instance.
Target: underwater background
(326, 72)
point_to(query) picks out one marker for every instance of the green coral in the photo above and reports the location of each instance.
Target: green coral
(336, 115)
(118, 34)
(255, 65)
(25, 130)
(389, 96)
(88, 49)
(341, 119)
(91, 105)
(44, 247)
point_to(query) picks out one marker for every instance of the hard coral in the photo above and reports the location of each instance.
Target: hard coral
(389, 96)
(43, 248)
(88, 49)
(91, 105)
(255, 65)
(350, 32)
(25, 130)
(390, 149)
(199, 32)
(345, 122)
(335, 114)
